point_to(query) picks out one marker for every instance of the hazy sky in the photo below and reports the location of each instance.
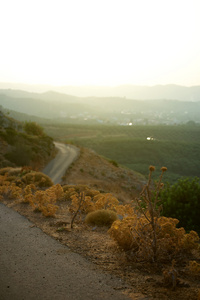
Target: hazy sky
(100, 42)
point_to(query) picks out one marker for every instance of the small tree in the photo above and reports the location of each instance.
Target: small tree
(33, 128)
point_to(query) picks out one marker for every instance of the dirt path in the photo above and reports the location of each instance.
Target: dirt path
(35, 266)
(57, 167)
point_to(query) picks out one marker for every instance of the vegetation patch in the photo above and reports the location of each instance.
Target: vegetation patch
(141, 247)
(182, 201)
(37, 178)
(24, 144)
(178, 147)
(102, 217)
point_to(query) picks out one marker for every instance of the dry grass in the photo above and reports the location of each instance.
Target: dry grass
(98, 173)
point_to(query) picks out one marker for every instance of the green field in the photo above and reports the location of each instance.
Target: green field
(176, 147)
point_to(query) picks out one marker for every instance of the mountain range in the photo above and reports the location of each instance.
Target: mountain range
(171, 91)
(61, 107)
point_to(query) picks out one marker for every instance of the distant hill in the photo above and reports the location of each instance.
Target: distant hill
(172, 92)
(47, 105)
(70, 109)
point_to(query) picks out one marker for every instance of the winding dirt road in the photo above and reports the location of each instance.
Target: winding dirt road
(57, 167)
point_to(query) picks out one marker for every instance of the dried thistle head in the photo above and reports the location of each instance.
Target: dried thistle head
(164, 169)
(151, 168)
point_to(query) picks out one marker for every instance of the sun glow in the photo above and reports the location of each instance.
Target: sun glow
(95, 42)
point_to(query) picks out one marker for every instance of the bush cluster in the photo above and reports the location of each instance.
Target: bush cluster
(41, 200)
(147, 235)
(33, 128)
(134, 234)
(138, 228)
(94, 201)
(44, 201)
(38, 178)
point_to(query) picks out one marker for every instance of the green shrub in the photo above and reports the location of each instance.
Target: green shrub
(33, 128)
(11, 135)
(37, 178)
(114, 163)
(182, 201)
(6, 163)
(101, 217)
(21, 155)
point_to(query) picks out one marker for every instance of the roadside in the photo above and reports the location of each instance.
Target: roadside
(35, 266)
(80, 254)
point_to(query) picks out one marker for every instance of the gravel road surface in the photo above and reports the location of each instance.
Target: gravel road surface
(57, 166)
(34, 266)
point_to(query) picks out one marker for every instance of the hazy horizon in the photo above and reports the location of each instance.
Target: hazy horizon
(170, 92)
(100, 43)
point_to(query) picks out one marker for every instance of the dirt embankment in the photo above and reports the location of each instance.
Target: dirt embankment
(104, 175)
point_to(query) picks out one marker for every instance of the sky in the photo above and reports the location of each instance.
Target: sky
(100, 42)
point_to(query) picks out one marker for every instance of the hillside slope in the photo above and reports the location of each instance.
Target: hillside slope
(137, 278)
(104, 175)
(19, 148)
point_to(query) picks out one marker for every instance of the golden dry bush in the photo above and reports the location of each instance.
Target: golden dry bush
(134, 234)
(6, 170)
(191, 241)
(37, 200)
(92, 193)
(45, 201)
(120, 231)
(105, 201)
(25, 169)
(193, 268)
(86, 206)
(57, 191)
(126, 210)
(15, 192)
(101, 217)
(12, 173)
(149, 208)
(28, 193)
(37, 178)
(69, 191)
(93, 202)
(9, 189)
(49, 210)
